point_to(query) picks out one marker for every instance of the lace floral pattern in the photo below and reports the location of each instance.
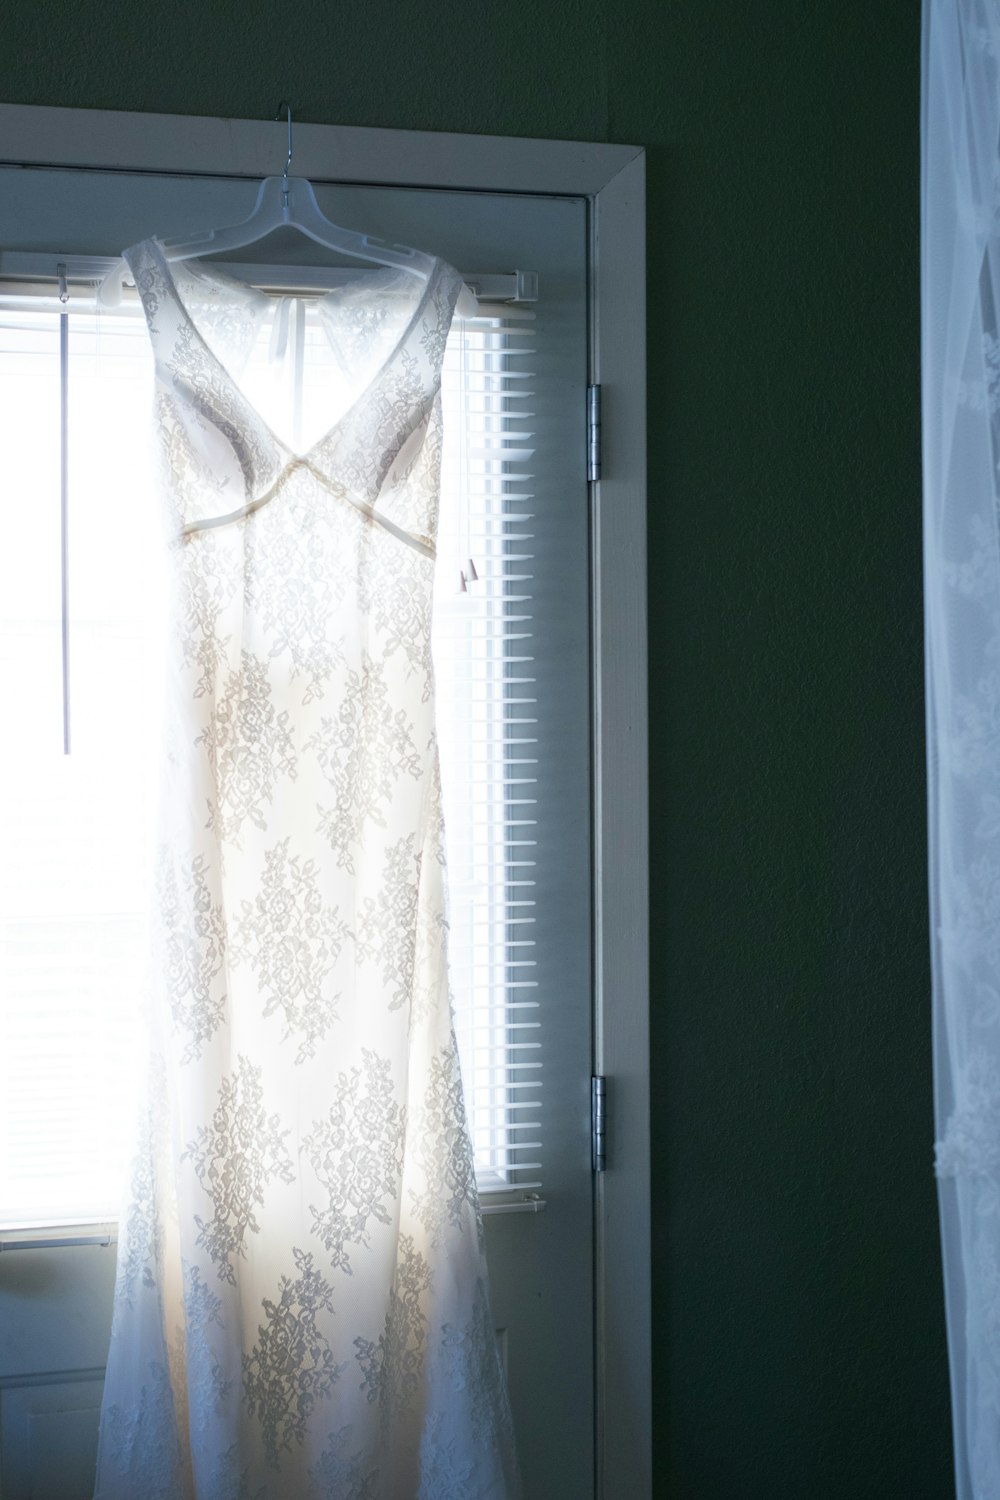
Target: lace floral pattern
(348, 1475)
(293, 942)
(140, 1440)
(362, 753)
(386, 925)
(297, 579)
(192, 951)
(208, 1386)
(356, 1153)
(250, 746)
(449, 1174)
(292, 1365)
(392, 1365)
(395, 594)
(233, 1158)
(301, 1276)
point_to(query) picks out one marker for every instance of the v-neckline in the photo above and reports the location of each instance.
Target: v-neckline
(249, 292)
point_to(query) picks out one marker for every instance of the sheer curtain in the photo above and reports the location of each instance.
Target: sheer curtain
(960, 296)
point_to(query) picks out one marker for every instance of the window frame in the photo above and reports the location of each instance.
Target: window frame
(612, 180)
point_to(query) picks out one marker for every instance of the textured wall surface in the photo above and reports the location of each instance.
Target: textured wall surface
(799, 1341)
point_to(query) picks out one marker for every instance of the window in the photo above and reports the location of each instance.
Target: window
(76, 827)
(88, 182)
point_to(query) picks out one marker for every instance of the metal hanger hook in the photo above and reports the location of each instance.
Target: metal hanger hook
(284, 105)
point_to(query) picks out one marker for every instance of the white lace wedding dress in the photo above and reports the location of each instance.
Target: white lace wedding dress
(302, 1306)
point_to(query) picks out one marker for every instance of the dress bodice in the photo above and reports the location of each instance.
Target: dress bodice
(386, 333)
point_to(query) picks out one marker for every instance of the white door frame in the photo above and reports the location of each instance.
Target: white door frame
(612, 179)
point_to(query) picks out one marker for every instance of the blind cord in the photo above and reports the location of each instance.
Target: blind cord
(64, 503)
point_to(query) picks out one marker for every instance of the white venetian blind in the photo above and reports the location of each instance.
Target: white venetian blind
(487, 730)
(75, 829)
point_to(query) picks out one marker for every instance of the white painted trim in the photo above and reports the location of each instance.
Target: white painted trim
(621, 837)
(34, 134)
(613, 179)
(60, 1236)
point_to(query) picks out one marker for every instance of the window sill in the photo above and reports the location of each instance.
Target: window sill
(58, 1237)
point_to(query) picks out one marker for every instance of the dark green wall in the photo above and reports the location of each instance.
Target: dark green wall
(799, 1344)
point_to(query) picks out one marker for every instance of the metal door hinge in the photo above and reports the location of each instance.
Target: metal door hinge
(598, 1102)
(593, 432)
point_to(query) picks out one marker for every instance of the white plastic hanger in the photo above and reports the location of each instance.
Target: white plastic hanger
(282, 202)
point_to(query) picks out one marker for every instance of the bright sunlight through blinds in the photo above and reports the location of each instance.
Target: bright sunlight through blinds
(76, 830)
